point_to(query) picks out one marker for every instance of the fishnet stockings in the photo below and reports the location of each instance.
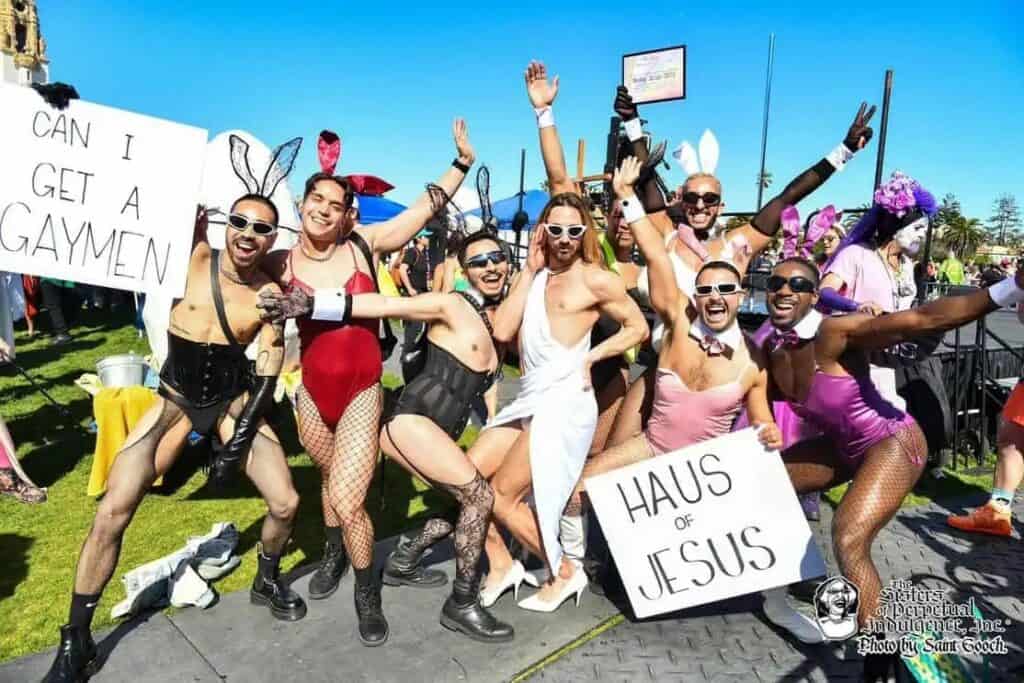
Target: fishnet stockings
(476, 500)
(346, 458)
(134, 471)
(889, 471)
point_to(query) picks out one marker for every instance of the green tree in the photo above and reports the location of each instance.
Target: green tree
(963, 235)
(949, 212)
(765, 180)
(850, 219)
(1005, 220)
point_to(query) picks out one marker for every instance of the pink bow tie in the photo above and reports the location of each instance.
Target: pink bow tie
(780, 339)
(711, 345)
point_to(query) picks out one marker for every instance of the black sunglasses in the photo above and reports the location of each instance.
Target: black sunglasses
(481, 260)
(721, 288)
(241, 223)
(710, 198)
(797, 284)
(555, 230)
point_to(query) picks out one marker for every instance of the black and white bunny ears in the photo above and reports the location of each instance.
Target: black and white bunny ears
(282, 160)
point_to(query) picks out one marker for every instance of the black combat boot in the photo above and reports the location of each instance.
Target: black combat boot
(373, 627)
(404, 568)
(333, 566)
(270, 590)
(462, 612)
(76, 657)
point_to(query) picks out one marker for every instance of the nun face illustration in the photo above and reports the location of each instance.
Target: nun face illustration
(837, 599)
(699, 203)
(248, 245)
(324, 211)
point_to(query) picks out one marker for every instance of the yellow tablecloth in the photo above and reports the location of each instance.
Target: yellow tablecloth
(116, 411)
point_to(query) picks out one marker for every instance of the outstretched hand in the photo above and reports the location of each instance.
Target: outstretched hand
(276, 307)
(625, 176)
(460, 131)
(540, 91)
(860, 132)
(624, 105)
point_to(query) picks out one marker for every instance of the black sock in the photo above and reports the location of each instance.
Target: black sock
(268, 565)
(82, 609)
(365, 577)
(333, 534)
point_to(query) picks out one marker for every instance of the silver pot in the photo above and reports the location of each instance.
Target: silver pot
(125, 370)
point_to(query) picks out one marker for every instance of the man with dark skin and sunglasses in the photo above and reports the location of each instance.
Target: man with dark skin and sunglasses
(707, 370)
(207, 385)
(688, 226)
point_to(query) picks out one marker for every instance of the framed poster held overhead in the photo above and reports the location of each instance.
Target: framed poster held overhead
(655, 75)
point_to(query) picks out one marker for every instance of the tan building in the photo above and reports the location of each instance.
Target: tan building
(22, 48)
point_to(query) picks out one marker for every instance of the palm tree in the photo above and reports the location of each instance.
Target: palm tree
(963, 235)
(765, 180)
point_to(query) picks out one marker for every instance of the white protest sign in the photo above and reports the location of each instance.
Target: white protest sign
(96, 195)
(655, 75)
(704, 523)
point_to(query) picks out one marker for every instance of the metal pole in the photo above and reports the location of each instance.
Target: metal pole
(983, 432)
(886, 96)
(767, 106)
(522, 192)
(956, 398)
(922, 291)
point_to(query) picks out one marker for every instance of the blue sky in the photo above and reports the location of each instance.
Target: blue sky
(390, 77)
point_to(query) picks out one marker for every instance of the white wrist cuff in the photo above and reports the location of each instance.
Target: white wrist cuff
(839, 156)
(634, 129)
(545, 117)
(1006, 292)
(329, 304)
(632, 210)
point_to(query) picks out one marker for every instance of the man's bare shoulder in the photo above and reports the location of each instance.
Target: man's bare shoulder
(275, 263)
(262, 282)
(602, 282)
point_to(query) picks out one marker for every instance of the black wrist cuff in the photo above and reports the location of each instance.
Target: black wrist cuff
(461, 166)
(824, 169)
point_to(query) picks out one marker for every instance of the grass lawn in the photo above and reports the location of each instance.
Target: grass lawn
(39, 544)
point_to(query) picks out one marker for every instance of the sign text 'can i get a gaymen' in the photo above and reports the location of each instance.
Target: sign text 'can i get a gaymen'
(708, 522)
(96, 195)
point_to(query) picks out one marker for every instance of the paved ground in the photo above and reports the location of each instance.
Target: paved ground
(726, 642)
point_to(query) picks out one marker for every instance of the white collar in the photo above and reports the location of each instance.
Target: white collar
(808, 327)
(732, 336)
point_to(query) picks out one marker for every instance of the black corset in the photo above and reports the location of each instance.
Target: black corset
(444, 391)
(205, 374)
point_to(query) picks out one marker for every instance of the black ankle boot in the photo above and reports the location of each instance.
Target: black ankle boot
(373, 627)
(76, 657)
(333, 566)
(403, 568)
(284, 603)
(462, 612)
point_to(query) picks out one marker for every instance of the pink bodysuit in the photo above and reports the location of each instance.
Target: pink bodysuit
(681, 417)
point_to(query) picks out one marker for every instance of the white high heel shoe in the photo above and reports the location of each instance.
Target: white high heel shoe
(782, 614)
(574, 586)
(514, 578)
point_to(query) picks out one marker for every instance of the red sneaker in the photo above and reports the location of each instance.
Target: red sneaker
(988, 519)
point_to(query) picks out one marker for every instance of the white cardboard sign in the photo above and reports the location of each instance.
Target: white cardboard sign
(708, 522)
(96, 195)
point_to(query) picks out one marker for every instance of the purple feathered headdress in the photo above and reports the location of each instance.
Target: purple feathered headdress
(897, 202)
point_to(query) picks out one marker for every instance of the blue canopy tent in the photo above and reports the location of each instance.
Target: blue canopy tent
(377, 209)
(504, 210)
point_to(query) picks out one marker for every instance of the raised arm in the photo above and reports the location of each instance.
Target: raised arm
(429, 307)
(666, 298)
(765, 224)
(542, 95)
(509, 316)
(867, 333)
(610, 291)
(200, 230)
(393, 233)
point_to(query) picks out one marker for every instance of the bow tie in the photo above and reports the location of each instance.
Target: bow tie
(781, 339)
(712, 345)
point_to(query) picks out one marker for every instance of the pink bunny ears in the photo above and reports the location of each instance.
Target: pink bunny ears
(328, 151)
(822, 222)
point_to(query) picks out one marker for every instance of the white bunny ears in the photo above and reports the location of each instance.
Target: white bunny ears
(704, 161)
